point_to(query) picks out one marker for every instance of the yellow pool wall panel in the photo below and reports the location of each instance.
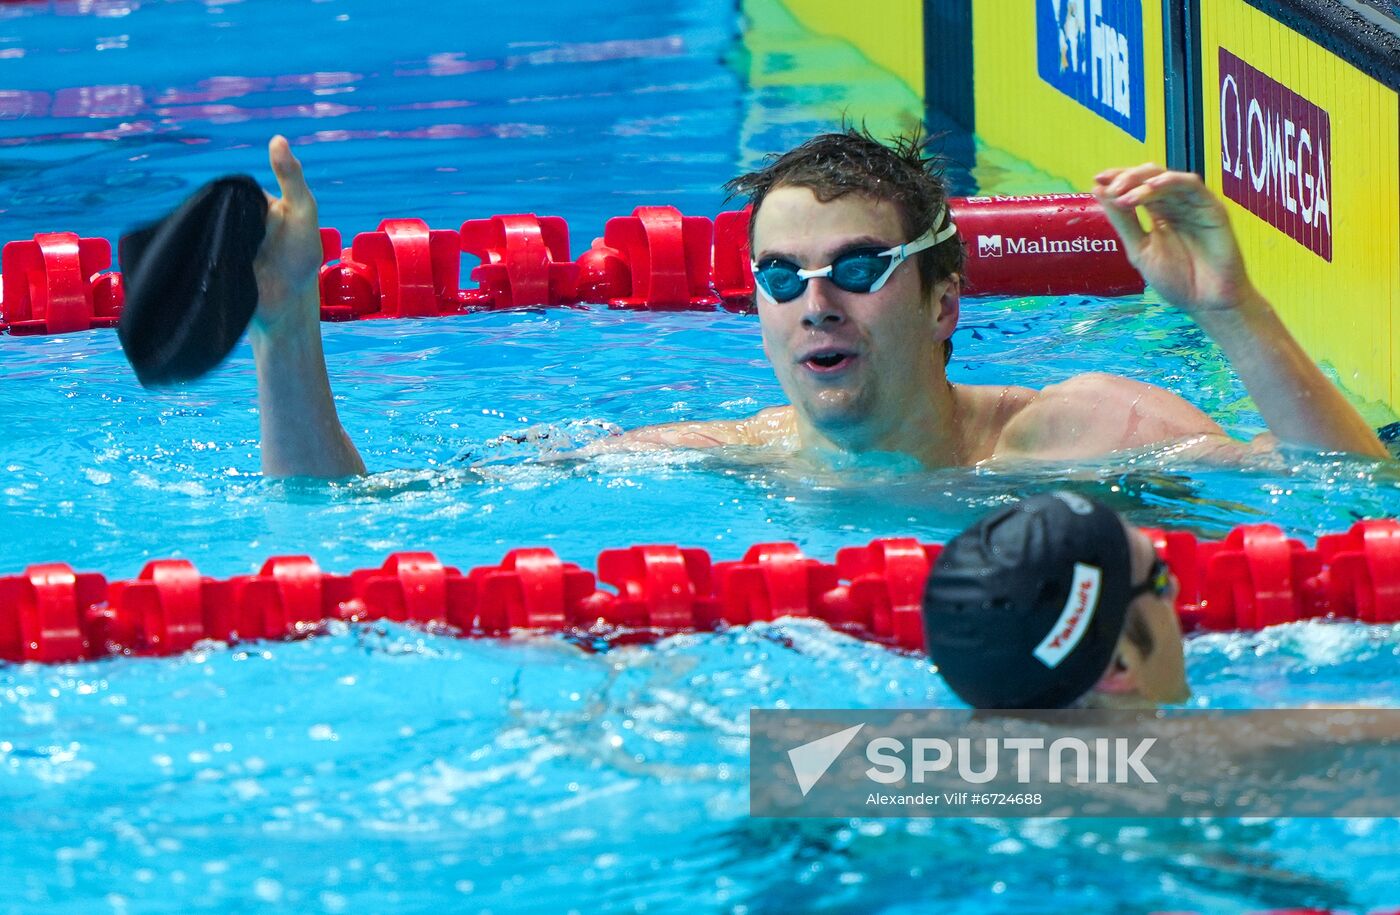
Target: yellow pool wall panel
(801, 75)
(890, 33)
(1021, 113)
(1343, 310)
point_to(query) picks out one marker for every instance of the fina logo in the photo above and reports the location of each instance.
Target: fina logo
(1091, 50)
(1070, 25)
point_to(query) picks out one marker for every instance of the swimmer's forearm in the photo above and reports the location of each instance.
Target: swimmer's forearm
(301, 431)
(1300, 404)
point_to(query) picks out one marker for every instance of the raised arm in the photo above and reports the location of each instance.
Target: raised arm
(1190, 256)
(301, 432)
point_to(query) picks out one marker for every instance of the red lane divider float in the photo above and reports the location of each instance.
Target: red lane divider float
(1046, 244)
(656, 258)
(53, 284)
(1255, 577)
(524, 261)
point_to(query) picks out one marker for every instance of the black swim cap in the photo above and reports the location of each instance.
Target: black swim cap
(1025, 608)
(190, 288)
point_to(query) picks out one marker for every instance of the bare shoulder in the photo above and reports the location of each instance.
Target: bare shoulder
(770, 427)
(1096, 413)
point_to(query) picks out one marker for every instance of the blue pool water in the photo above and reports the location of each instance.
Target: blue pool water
(380, 767)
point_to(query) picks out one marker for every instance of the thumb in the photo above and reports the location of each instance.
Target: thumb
(288, 171)
(1124, 220)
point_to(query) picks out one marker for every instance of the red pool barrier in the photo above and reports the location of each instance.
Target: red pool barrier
(288, 596)
(668, 257)
(733, 272)
(414, 268)
(531, 589)
(1363, 570)
(774, 580)
(887, 582)
(161, 612)
(655, 258)
(662, 587)
(348, 290)
(1254, 578)
(524, 261)
(54, 284)
(1048, 244)
(46, 613)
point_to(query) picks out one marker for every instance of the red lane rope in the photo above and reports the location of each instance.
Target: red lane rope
(656, 258)
(1255, 577)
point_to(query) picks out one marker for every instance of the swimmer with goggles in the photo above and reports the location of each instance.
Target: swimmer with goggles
(862, 271)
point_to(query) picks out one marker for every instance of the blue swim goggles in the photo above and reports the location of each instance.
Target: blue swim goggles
(863, 270)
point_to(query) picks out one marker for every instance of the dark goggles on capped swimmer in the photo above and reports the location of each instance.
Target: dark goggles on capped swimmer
(1158, 583)
(863, 270)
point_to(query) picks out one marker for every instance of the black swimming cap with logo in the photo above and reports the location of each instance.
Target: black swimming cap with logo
(1024, 609)
(190, 288)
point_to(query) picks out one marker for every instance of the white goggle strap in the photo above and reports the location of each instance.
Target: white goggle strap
(923, 242)
(930, 238)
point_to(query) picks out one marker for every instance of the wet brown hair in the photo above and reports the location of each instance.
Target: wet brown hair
(852, 161)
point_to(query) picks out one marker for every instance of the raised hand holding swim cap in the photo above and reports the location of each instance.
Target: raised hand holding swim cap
(191, 290)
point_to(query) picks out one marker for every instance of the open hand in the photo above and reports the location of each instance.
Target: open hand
(290, 257)
(1189, 253)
